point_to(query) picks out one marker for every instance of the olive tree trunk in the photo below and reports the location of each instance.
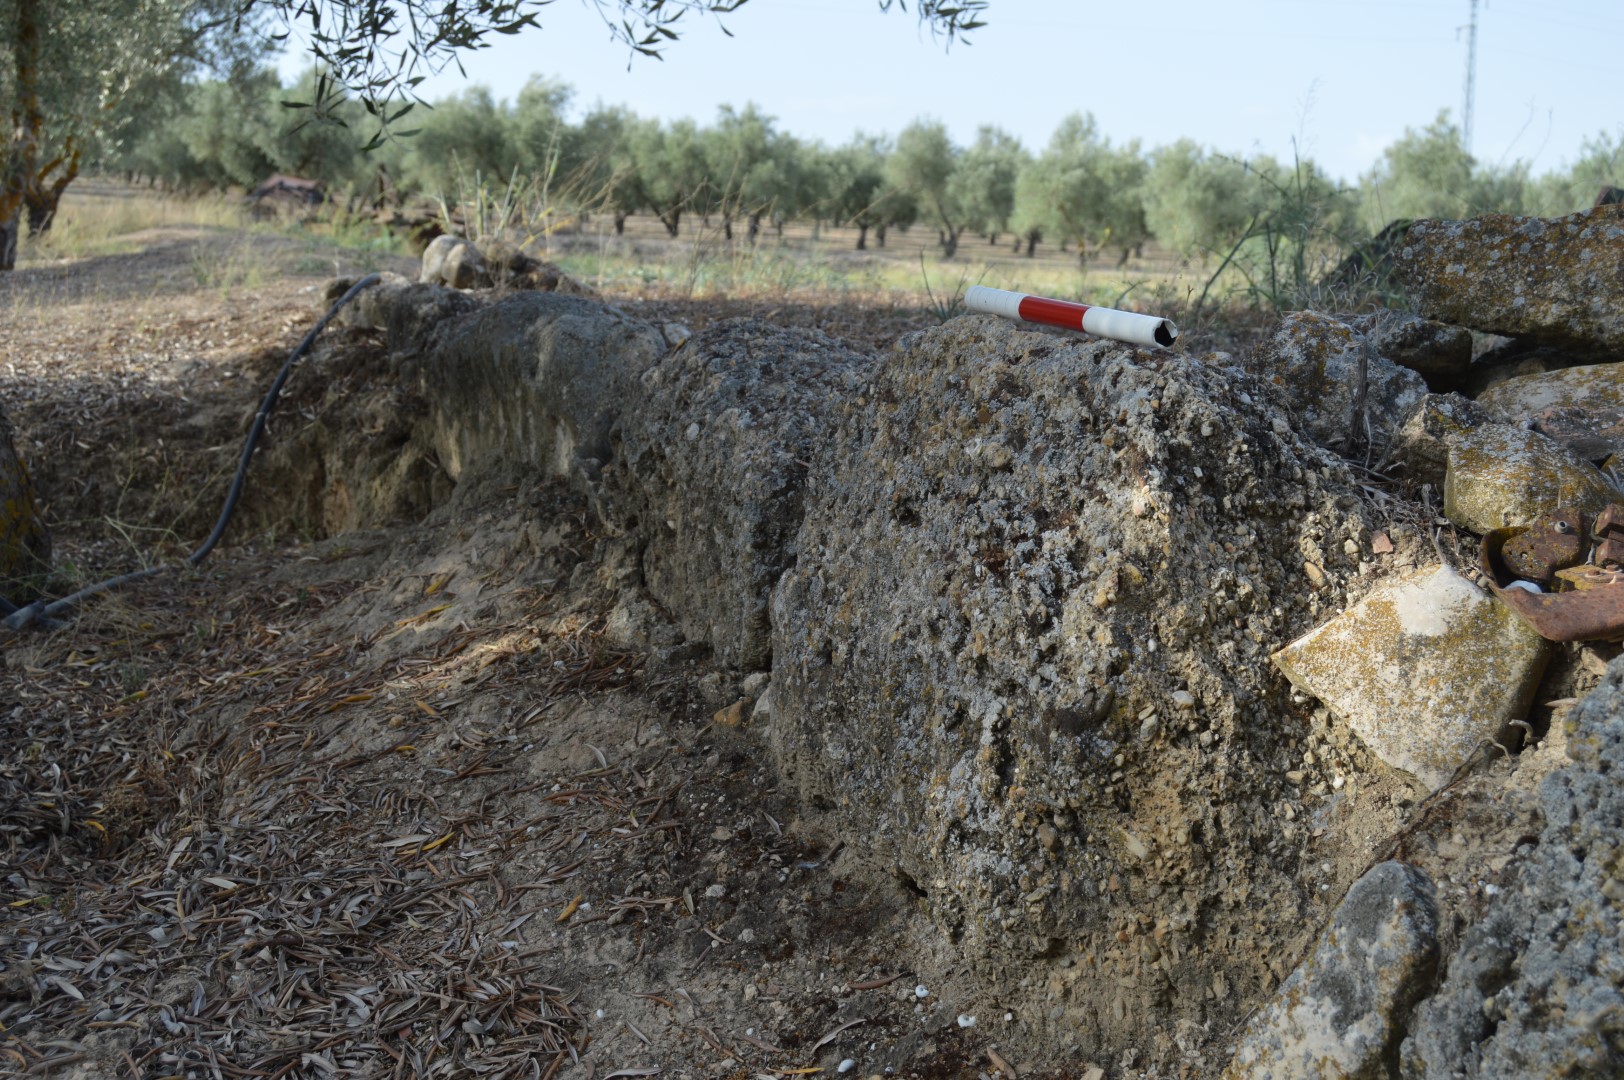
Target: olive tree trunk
(9, 228)
(28, 184)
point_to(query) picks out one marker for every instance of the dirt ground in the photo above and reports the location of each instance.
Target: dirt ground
(401, 801)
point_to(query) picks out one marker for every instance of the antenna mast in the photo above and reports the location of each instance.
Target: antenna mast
(1471, 79)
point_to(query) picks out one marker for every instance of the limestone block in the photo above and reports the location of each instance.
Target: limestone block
(1423, 670)
(510, 267)
(1341, 1014)
(1315, 361)
(1433, 349)
(410, 312)
(1501, 475)
(1595, 387)
(454, 261)
(1421, 443)
(1536, 990)
(1556, 281)
(537, 377)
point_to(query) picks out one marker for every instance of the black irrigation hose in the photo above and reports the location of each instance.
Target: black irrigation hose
(45, 614)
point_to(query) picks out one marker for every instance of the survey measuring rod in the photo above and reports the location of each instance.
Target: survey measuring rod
(1102, 322)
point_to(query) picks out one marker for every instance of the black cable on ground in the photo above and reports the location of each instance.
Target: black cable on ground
(43, 614)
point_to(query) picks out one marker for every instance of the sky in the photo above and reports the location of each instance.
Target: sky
(1343, 78)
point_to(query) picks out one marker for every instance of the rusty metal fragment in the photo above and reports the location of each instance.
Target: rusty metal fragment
(1581, 559)
(1554, 542)
(1609, 535)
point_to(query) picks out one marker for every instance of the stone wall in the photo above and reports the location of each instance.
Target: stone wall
(1018, 595)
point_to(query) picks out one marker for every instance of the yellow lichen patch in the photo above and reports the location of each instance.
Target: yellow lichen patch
(1423, 670)
(1599, 386)
(1501, 476)
(1548, 280)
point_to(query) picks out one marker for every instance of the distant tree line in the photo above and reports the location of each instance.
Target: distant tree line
(1080, 192)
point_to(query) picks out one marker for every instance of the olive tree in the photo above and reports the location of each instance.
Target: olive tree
(1426, 173)
(382, 50)
(857, 185)
(1196, 201)
(983, 185)
(670, 175)
(606, 177)
(1600, 165)
(922, 166)
(72, 69)
(1080, 190)
(467, 136)
(547, 146)
(860, 191)
(742, 175)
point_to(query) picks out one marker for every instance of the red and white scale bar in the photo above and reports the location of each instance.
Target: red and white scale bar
(1101, 322)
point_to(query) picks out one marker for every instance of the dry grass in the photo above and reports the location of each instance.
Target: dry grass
(100, 217)
(703, 263)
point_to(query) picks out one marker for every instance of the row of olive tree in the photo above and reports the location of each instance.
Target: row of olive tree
(1079, 191)
(85, 80)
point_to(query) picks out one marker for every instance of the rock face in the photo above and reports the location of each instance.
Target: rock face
(1432, 349)
(1596, 386)
(1421, 443)
(1501, 475)
(410, 313)
(1342, 1013)
(1316, 360)
(1537, 987)
(1423, 670)
(1555, 281)
(454, 262)
(538, 377)
(1022, 651)
(711, 466)
(512, 268)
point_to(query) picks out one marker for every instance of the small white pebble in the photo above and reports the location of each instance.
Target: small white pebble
(598, 1014)
(1337, 782)
(716, 892)
(966, 1020)
(1184, 699)
(1009, 1017)
(846, 1066)
(920, 991)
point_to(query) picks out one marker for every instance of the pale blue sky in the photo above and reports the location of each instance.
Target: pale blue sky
(1343, 76)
